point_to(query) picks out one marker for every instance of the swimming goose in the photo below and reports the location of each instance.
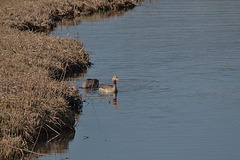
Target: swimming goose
(104, 88)
(90, 83)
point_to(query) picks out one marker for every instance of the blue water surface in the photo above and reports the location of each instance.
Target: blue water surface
(178, 62)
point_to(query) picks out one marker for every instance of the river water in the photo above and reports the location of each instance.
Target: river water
(178, 62)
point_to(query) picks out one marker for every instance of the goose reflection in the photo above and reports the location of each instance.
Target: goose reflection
(115, 103)
(114, 100)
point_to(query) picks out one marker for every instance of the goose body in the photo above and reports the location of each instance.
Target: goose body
(90, 83)
(106, 89)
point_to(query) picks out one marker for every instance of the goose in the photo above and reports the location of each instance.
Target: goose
(90, 83)
(104, 88)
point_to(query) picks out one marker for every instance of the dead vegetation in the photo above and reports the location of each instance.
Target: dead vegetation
(43, 15)
(31, 98)
(34, 99)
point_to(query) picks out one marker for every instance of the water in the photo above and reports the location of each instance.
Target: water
(178, 63)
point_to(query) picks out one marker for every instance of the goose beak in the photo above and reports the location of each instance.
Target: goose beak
(117, 79)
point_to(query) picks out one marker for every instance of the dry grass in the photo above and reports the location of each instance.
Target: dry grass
(43, 15)
(30, 98)
(34, 99)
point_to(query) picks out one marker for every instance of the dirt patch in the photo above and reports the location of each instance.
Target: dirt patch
(34, 98)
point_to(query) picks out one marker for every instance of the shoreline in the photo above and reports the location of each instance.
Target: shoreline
(34, 98)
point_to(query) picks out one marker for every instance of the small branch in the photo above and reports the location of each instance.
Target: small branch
(36, 139)
(52, 138)
(52, 129)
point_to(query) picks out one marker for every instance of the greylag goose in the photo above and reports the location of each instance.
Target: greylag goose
(105, 89)
(90, 83)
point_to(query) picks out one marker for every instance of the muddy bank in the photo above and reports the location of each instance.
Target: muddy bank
(34, 99)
